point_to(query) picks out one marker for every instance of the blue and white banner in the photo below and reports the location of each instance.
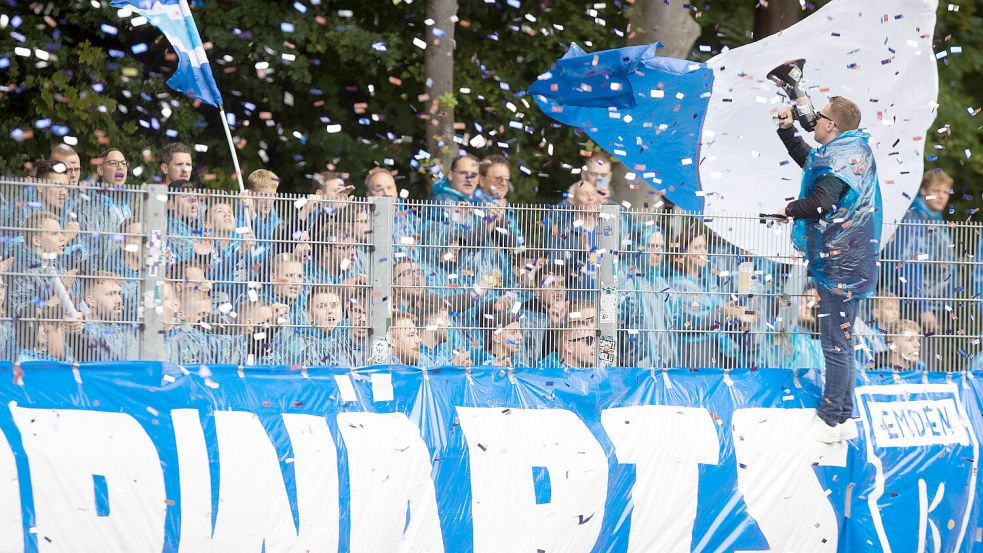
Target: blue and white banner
(703, 133)
(173, 17)
(146, 457)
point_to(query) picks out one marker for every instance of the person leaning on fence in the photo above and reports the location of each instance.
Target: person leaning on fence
(37, 260)
(924, 270)
(697, 308)
(904, 341)
(838, 226)
(543, 315)
(106, 337)
(645, 315)
(43, 336)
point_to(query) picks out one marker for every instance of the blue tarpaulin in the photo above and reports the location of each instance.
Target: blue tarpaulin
(146, 456)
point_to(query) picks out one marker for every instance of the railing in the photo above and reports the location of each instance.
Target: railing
(201, 277)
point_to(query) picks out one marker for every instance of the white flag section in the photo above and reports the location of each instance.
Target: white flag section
(877, 53)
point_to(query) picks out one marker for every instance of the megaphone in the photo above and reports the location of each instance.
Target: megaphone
(789, 77)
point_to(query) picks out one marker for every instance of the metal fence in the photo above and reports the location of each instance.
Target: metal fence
(199, 277)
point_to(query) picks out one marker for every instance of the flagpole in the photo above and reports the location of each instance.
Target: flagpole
(232, 147)
(235, 162)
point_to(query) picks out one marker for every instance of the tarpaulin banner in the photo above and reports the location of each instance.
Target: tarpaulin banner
(149, 457)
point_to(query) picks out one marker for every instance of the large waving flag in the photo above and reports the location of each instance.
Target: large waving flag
(173, 17)
(703, 133)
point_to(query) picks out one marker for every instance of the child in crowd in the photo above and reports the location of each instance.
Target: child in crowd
(44, 336)
(105, 336)
(260, 203)
(321, 342)
(405, 339)
(287, 287)
(904, 343)
(502, 341)
(437, 346)
(257, 341)
(886, 313)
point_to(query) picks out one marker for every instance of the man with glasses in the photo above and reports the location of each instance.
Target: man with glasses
(103, 207)
(578, 340)
(838, 227)
(67, 155)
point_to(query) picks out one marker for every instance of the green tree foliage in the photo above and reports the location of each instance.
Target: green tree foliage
(293, 73)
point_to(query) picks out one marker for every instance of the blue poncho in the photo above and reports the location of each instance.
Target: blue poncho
(842, 246)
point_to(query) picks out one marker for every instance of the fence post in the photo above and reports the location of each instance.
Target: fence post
(383, 215)
(608, 243)
(155, 229)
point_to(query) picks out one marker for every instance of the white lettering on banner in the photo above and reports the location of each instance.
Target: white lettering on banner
(916, 423)
(393, 499)
(505, 446)
(73, 452)
(892, 425)
(253, 506)
(666, 444)
(11, 523)
(775, 455)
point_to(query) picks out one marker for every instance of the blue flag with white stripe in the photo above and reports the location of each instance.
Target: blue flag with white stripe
(173, 17)
(702, 133)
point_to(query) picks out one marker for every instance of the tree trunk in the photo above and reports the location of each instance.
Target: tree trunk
(440, 76)
(772, 16)
(673, 26)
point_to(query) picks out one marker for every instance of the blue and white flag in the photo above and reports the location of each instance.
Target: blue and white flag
(703, 133)
(173, 17)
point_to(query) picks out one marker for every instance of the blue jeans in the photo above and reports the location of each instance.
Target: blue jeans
(837, 315)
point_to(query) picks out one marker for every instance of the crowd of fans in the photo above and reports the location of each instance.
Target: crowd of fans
(261, 278)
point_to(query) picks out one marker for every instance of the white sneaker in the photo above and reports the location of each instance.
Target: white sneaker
(824, 432)
(848, 430)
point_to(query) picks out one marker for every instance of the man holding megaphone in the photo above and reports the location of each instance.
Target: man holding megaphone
(838, 227)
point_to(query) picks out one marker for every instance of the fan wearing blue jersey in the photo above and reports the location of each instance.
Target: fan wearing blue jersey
(37, 260)
(185, 208)
(104, 206)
